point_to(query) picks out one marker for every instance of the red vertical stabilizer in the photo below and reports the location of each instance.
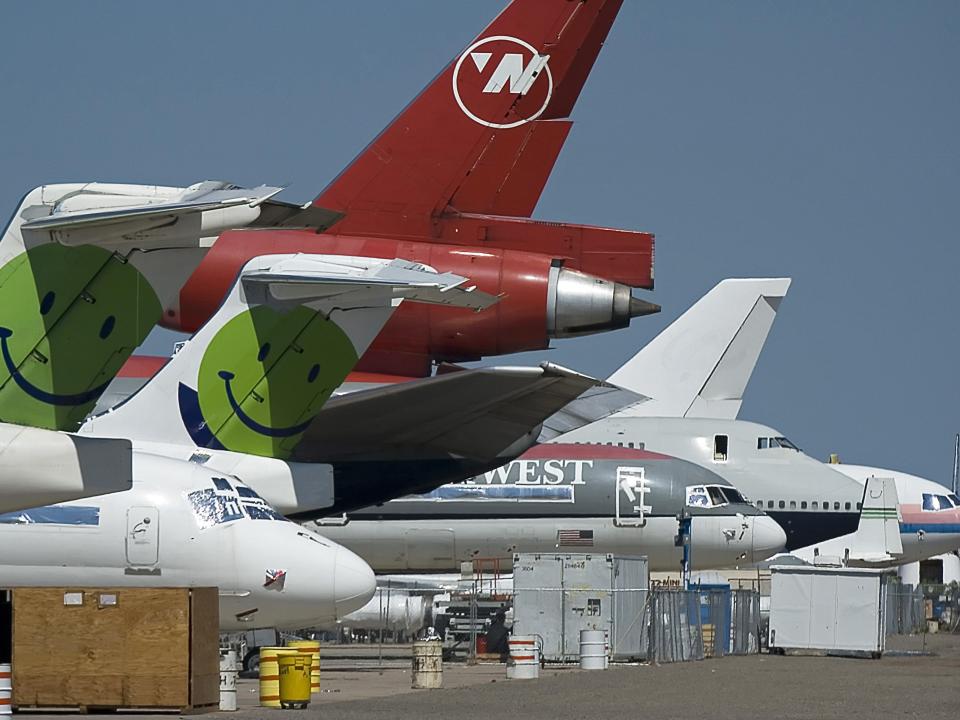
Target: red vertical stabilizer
(477, 139)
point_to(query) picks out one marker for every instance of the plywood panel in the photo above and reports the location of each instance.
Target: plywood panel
(205, 646)
(134, 654)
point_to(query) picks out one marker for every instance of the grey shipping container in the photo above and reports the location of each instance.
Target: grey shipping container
(558, 595)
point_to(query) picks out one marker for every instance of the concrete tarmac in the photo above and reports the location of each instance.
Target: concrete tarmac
(756, 686)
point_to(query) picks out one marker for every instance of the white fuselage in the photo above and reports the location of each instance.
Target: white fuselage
(441, 545)
(182, 525)
(810, 499)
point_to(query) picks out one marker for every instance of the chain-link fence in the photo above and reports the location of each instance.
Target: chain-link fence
(676, 630)
(745, 622)
(904, 611)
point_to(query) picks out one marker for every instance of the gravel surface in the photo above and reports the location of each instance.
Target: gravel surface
(759, 686)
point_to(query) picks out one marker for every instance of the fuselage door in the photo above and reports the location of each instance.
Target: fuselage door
(143, 536)
(630, 504)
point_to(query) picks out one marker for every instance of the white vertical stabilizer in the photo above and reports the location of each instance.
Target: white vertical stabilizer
(878, 534)
(701, 364)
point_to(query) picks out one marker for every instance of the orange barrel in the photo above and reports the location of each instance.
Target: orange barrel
(270, 674)
(294, 680)
(523, 662)
(6, 689)
(313, 648)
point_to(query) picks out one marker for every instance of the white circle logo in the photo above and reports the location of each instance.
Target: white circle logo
(502, 82)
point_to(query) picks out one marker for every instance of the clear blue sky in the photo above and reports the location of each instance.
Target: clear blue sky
(819, 140)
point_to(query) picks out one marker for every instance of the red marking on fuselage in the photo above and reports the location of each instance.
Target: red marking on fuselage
(914, 514)
(142, 366)
(572, 451)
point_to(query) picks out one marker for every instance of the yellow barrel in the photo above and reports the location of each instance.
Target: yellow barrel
(270, 674)
(313, 648)
(294, 680)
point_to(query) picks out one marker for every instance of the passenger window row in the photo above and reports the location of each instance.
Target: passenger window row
(813, 505)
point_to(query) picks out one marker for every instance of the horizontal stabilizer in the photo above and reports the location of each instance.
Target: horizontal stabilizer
(701, 364)
(476, 414)
(301, 278)
(201, 211)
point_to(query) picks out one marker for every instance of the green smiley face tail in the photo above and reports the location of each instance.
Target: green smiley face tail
(263, 378)
(69, 318)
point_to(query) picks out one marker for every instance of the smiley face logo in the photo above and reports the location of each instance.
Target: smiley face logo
(69, 319)
(263, 378)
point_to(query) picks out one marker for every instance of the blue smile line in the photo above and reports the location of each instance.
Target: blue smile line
(35, 392)
(250, 422)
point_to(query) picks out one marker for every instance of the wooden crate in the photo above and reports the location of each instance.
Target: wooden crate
(155, 648)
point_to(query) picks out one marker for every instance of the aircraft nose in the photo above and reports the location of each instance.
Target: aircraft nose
(354, 582)
(768, 538)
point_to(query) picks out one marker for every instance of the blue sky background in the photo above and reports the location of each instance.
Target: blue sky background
(819, 140)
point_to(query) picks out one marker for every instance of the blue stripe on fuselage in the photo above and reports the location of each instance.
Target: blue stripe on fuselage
(942, 528)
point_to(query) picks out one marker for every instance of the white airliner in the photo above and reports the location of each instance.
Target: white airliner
(182, 526)
(928, 517)
(692, 378)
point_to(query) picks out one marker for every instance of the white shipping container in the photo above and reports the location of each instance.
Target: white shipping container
(558, 595)
(836, 610)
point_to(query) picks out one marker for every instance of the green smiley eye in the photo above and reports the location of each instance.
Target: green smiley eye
(264, 351)
(47, 303)
(107, 327)
(314, 372)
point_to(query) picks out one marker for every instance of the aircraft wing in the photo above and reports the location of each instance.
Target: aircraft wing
(476, 414)
(595, 404)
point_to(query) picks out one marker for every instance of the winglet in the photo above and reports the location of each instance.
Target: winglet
(701, 364)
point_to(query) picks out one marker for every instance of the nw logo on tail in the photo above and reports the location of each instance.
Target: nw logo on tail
(497, 65)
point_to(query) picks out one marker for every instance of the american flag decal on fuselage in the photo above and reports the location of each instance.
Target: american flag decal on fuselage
(575, 538)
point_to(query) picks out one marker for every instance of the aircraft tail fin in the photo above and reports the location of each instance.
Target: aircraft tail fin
(288, 333)
(699, 366)
(491, 123)
(878, 534)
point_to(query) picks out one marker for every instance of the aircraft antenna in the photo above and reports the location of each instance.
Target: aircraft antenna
(956, 465)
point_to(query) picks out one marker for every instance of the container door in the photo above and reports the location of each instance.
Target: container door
(143, 536)
(630, 503)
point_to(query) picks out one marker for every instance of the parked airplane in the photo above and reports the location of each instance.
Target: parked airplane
(182, 525)
(701, 361)
(569, 497)
(290, 331)
(460, 200)
(925, 517)
(695, 374)
(249, 395)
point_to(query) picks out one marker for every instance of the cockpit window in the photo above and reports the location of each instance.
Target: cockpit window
(955, 499)
(936, 502)
(713, 496)
(766, 443)
(732, 495)
(225, 503)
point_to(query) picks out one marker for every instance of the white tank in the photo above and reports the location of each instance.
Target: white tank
(398, 612)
